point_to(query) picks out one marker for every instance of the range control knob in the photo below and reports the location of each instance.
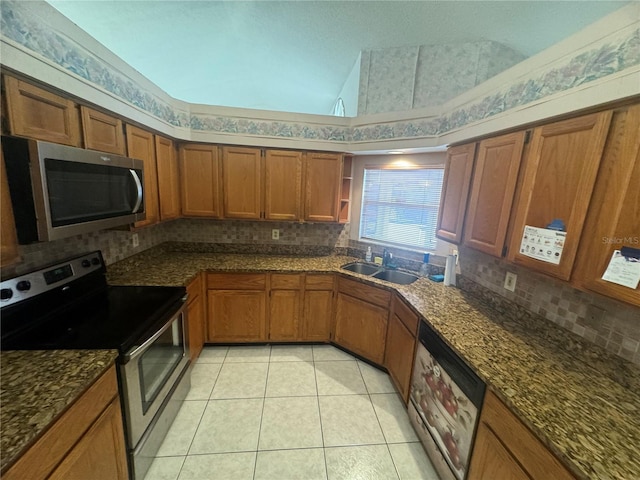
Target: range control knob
(86, 263)
(95, 261)
(24, 285)
(6, 294)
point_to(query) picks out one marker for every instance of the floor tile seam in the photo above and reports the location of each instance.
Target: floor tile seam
(393, 461)
(324, 453)
(375, 412)
(266, 379)
(194, 436)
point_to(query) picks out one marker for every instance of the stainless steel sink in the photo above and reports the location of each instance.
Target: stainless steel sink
(395, 276)
(361, 268)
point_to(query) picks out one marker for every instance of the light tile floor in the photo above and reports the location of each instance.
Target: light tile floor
(290, 413)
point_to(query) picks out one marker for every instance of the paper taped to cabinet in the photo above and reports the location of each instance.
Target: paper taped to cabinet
(623, 270)
(543, 244)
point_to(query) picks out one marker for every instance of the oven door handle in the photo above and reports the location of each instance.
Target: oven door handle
(139, 350)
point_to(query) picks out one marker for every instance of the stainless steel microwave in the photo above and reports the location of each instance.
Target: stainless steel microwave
(59, 191)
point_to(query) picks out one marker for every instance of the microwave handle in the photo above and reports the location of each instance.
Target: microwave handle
(136, 207)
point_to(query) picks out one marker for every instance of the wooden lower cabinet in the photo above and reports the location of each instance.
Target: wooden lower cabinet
(237, 307)
(506, 449)
(360, 324)
(401, 343)
(87, 441)
(318, 307)
(195, 317)
(98, 455)
(285, 307)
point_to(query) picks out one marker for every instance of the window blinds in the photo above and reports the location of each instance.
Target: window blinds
(400, 206)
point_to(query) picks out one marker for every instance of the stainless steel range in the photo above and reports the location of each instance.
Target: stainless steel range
(69, 305)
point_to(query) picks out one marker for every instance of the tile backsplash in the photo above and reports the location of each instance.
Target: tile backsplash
(117, 245)
(618, 331)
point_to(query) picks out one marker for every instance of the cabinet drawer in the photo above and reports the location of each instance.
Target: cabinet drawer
(236, 281)
(319, 282)
(405, 314)
(286, 281)
(374, 295)
(194, 288)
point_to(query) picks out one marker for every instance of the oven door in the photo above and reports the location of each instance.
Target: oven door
(150, 371)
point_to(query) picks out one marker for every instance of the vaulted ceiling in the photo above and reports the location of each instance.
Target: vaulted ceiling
(296, 55)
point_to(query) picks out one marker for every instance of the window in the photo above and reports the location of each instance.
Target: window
(400, 206)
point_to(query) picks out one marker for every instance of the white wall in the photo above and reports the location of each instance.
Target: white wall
(349, 92)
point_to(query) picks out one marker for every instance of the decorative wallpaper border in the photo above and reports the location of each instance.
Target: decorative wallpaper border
(20, 25)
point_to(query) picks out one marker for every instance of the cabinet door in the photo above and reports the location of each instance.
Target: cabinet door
(492, 460)
(558, 182)
(36, 113)
(492, 190)
(195, 317)
(455, 189)
(323, 179)
(361, 327)
(613, 220)
(399, 355)
(100, 454)
(284, 315)
(283, 185)
(168, 179)
(318, 309)
(236, 316)
(141, 145)
(201, 185)
(8, 237)
(242, 177)
(506, 448)
(102, 132)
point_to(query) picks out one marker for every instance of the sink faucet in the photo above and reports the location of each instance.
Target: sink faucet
(386, 257)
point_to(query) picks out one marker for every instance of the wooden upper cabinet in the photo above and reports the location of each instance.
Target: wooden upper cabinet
(558, 181)
(492, 192)
(613, 220)
(8, 237)
(323, 176)
(141, 145)
(455, 189)
(102, 132)
(36, 113)
(168, 179)
(283, 185)
(242, 177)
(200, 177)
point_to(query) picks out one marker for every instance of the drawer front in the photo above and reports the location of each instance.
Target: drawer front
(319, 281)
(236, 281)
(286, 281)
(374, 295)
(405, 314)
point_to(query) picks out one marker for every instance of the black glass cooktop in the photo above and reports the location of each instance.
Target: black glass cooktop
(115, 317)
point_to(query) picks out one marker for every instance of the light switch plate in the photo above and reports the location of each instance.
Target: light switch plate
(135, 241)
(510, 281)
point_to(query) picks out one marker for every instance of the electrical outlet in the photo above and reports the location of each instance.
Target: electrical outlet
(135, 241)
(455, 252)
(594, 315)
(510, 281)
(275, 234)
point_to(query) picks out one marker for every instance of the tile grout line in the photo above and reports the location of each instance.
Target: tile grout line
(264, 401)
(324, 448)
(386, 442)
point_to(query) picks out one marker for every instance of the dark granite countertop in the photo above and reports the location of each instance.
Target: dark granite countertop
(36, 387)
(570, 394)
